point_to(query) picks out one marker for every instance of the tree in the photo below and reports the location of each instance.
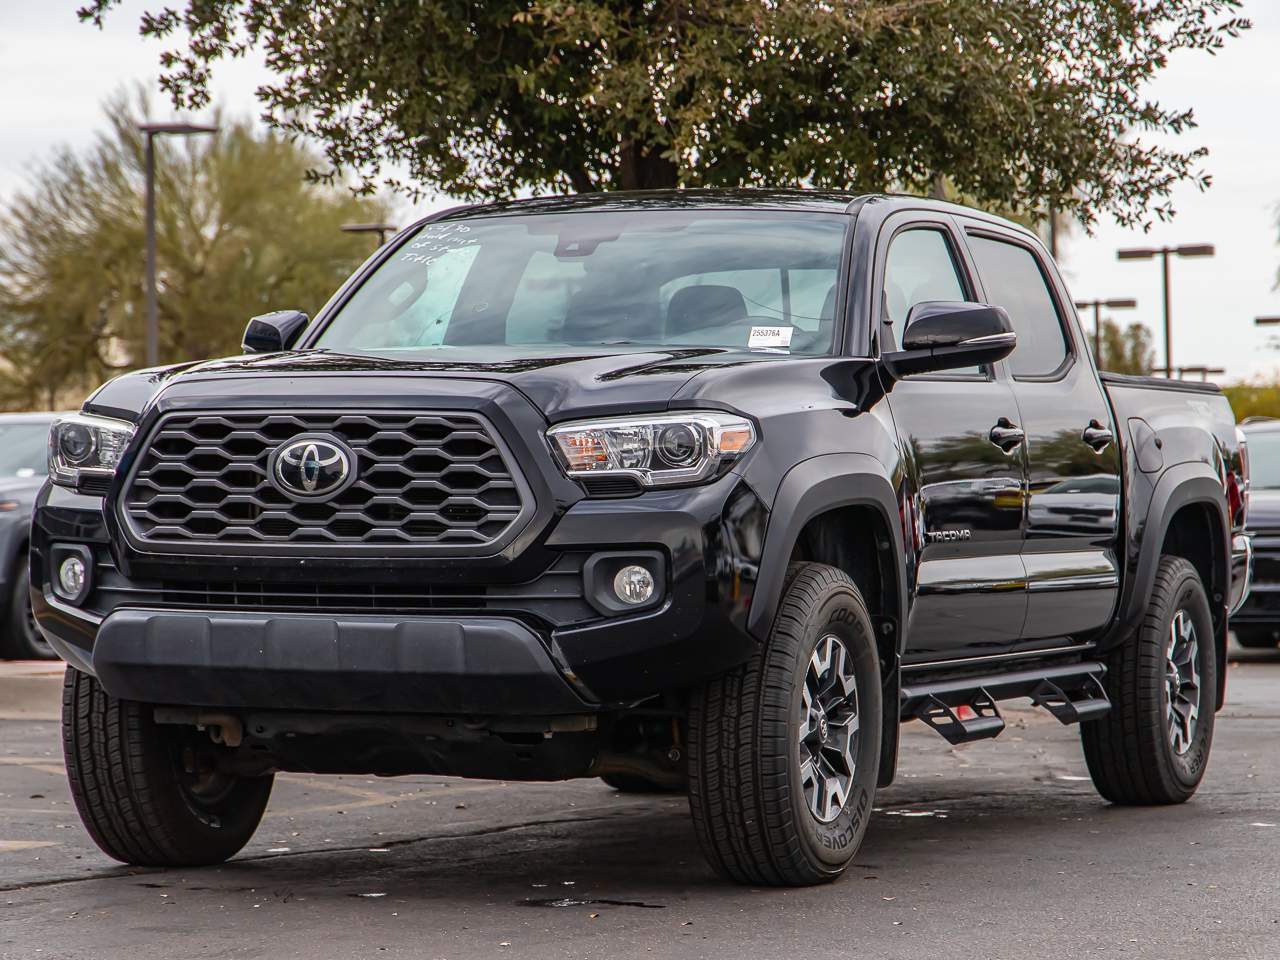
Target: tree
(1126, 349)
(1028, 104)
(239, 232)
(1256, 398)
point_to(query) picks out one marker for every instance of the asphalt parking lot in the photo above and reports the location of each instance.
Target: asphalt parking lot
(993, 850)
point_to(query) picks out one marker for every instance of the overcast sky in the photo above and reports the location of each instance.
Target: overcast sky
(55, 71)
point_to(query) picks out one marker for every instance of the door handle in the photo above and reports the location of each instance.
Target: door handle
(1097, 436)
(1006, 435)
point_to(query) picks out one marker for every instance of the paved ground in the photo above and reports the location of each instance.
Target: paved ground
(995, 850)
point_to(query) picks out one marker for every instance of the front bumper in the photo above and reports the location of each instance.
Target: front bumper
(305, 662)
(144, 645)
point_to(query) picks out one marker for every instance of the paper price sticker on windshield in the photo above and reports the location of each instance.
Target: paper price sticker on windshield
(763, 337)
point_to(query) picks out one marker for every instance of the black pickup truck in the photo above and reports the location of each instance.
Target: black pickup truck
(690, 491)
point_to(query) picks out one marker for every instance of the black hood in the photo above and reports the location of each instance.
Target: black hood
(561, 384)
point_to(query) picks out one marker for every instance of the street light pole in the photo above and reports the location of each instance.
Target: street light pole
(151, 131)
(153, 313)
(1164, 253)
(381, 229)
(1097, 305)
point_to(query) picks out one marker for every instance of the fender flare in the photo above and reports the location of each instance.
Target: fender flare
(809, 488)
(1183, 485)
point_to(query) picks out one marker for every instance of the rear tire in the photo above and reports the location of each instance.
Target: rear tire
(1256, 636)
(137, 801)
(784, 750)
(22, 639)
(1153, 746)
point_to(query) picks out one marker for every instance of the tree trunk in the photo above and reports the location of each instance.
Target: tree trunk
(640, 169)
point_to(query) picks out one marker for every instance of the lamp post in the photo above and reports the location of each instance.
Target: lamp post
(1205, 372)
(1097, 305)
(381, 229)
(151, 131)
(1164, 253)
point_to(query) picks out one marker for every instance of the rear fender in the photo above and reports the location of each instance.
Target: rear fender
(1187, 484)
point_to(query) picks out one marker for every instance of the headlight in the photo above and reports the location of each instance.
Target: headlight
(83, 446)
(658, 451)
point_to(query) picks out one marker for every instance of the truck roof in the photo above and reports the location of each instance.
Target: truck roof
(818, 201)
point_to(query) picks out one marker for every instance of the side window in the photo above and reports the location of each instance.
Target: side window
(920, 268)
(1013, 280)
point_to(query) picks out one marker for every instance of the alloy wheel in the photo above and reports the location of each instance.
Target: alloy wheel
(1182, 681)
(828, 729)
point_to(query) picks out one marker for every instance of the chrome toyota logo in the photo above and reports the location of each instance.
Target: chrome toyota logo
(312, 467)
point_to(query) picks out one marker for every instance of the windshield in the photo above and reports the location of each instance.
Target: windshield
(1264, 460)
(24, 449)
(709, 278)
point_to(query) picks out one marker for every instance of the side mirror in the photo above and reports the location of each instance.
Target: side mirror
(273, 332)
(942, 335)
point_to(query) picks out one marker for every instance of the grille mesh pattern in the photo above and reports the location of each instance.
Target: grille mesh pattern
(429, 478)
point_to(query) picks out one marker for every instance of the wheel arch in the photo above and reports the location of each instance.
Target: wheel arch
(842, 510)
(1186, 518)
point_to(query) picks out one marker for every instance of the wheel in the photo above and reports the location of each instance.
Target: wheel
(630, 783)
(1153, 746)
(22, 639)
(1255, 636)
(784, 750)
(149, 794)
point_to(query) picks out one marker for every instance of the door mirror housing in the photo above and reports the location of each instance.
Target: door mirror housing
(945, 335)
(273, 332)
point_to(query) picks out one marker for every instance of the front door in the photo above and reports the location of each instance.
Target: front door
(964, 455)
(1073, 460)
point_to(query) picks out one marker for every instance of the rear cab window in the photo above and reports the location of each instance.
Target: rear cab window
(1014, 279)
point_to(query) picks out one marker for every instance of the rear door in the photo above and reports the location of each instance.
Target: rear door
(965, 511)
(1073, 461)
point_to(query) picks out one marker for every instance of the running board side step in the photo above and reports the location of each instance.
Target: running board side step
(1071, 692)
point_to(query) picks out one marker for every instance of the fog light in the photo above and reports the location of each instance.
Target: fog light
(71, 576)
(633, 584)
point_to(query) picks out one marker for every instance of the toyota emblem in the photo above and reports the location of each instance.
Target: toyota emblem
(312, 467)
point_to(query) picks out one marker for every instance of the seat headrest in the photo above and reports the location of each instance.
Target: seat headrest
(705, 305)
(829, 305)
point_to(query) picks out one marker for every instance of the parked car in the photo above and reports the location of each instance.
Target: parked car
(24, 458)
(1256, 625)
(704, 490)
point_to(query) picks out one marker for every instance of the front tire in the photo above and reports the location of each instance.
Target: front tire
(22, 639)
(147, 793)
(784, 750)
(1153, 746)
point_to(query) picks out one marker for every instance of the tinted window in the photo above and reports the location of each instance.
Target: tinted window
(643, 279)
(920, 268)
(1012, 278)
(1264, 459)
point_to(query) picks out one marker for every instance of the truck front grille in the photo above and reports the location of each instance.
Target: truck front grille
(438, 479)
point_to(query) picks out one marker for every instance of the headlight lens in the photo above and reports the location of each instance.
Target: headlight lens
(86, 446)
(658, 451)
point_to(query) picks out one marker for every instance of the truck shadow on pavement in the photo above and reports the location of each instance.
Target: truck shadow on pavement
(649, 857)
